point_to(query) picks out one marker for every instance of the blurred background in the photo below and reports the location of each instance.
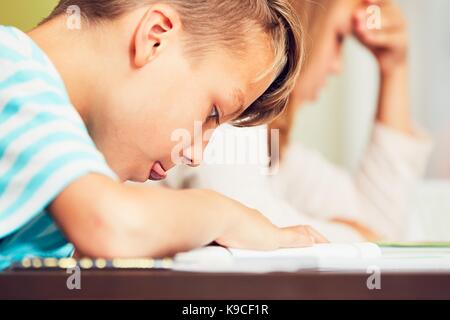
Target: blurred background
(347, 105)
(25, 14)
(339, 124)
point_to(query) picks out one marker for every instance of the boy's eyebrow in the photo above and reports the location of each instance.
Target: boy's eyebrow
(239, 100)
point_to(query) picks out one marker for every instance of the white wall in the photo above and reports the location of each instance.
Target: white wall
(429, 23)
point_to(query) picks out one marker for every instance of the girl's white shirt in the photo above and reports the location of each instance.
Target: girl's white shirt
(307, 189)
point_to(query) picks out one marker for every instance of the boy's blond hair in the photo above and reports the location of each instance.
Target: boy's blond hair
(312, 14)
(227, 24)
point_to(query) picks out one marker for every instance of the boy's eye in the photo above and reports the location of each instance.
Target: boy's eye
(214, 115)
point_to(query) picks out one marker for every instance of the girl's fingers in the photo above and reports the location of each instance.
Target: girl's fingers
(390, 17)
(392, 37)
(378, 2)
(383, 39)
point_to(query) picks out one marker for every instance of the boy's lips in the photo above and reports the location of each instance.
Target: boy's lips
(157, 172)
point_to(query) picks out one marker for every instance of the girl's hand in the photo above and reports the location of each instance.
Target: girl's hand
(389, 40)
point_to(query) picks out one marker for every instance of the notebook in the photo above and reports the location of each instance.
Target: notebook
(318, 257)
(355, 257)
(425, 244)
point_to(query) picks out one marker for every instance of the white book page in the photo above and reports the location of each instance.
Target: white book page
(332, 250)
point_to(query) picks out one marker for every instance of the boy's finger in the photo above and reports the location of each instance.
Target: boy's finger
(296, 237)
(317, 236)
(305, 235)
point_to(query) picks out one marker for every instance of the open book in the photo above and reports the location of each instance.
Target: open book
(322, 256)
(356, 257)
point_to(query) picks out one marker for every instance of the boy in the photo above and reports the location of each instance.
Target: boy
(82, 110)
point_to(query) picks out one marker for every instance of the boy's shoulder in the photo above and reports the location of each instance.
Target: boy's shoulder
(31, 88)
(14, 44)
(23, 62)
(18, 47)
(44, 143)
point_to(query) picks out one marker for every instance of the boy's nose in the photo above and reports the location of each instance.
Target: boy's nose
(193, 155)
(190, 162)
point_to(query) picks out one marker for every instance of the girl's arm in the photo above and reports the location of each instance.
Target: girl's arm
(389, 44)
(394, 105)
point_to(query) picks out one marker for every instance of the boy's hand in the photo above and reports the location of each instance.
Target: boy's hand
(103, 218)
(389, 43)
(252, 230)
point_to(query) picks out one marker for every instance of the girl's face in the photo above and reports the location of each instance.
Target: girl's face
(324, 55)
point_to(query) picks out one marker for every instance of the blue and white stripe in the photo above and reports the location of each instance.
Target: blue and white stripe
(44, 146)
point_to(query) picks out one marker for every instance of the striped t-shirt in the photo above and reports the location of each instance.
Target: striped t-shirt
(44, 146)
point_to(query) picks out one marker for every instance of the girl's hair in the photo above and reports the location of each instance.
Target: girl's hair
(311, 13)
(228, 24)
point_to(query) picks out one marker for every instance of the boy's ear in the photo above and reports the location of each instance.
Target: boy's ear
(157, 26)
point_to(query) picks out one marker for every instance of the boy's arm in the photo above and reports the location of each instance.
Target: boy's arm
(103, 218)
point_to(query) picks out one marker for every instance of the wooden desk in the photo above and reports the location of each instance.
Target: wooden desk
(161, 285)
